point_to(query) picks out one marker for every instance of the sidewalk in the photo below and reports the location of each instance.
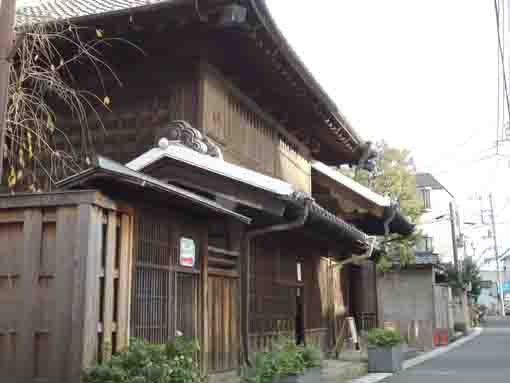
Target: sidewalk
(340, 371)
(372, 378)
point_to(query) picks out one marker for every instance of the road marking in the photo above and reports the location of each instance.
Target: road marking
(371, 378)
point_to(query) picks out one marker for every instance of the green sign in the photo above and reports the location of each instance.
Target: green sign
(187, 256)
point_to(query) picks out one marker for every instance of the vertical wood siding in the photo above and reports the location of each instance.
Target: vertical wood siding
(60, 272)
(273, 294)
(247, 137)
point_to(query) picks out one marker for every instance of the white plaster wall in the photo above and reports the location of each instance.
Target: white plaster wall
(439, 230)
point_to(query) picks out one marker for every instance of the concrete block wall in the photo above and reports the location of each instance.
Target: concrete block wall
(406, 298)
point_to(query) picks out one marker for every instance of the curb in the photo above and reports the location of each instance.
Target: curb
(373, 378)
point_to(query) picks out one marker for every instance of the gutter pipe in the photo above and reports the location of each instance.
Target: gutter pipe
(245, 290)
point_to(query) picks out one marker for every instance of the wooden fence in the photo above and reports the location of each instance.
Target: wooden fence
(65, 261)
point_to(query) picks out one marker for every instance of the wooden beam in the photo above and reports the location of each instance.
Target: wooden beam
(57, 199)
(204, 298)
(230, 253)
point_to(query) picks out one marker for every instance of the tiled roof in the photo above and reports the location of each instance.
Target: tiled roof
(349, 183)
(319, 213)
(105, 168)
(186, 155)
(31, 11)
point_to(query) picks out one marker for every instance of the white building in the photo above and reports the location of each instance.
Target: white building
(436, 222)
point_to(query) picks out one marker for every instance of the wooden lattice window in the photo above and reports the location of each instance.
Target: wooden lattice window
(165, 296)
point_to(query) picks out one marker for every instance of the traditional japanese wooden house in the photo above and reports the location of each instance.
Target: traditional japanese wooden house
(82, 271)
(220, 107)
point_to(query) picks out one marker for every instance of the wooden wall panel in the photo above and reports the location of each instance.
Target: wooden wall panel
(50, 261)
(247, 135)
(245, 138)
(273, 294)
(293, 167)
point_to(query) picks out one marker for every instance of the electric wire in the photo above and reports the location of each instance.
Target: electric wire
(502, 57)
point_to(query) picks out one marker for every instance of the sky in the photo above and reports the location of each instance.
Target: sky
(422, 75)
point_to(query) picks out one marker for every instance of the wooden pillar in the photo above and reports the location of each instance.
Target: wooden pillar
(85, 310)
(236, 232)
(244, 297)
(32, 243)
(331, 309)
(7, 14)
(125, 277)
(204, 276)
(108, 298)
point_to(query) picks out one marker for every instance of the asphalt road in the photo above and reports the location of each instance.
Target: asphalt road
(485, 359)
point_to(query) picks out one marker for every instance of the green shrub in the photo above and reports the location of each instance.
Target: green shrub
(312, 356)
(287, 358)
(143, 362)
(384, 337)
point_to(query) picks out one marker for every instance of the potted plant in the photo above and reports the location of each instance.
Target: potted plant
(384, 350)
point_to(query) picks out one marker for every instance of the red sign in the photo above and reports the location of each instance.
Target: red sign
(187, 253)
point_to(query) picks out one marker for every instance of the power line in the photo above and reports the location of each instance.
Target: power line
(498, 109)
(502, 57)
(470, 162)
(456, 149)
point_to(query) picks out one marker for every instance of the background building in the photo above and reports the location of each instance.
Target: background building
(436, 221)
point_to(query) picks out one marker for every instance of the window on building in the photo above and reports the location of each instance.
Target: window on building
(425, 243)
(299, 272)
(424, 195)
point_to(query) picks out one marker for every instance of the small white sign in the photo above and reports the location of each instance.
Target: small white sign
(187, 256)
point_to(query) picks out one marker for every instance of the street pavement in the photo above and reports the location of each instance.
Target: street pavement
(484, 359)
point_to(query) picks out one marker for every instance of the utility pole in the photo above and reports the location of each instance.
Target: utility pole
(496, 254)
(454, 239)
(7, 14)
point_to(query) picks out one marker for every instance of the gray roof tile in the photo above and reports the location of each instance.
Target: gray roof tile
(48, 10)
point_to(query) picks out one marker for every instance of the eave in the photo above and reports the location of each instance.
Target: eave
(108, 174)
(371, 212)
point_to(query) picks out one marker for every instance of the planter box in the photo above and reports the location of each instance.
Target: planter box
(385, 359)
(312, 375)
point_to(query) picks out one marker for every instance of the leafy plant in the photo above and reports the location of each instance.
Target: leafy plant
(287, 358)
(393, 176)
(469, 275)
(143, 362)
(384, 337)
(312, 356)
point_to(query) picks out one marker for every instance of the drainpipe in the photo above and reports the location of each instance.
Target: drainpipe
(248, 238)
